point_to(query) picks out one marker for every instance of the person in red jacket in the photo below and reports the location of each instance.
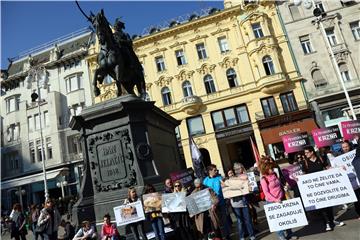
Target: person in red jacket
(108, 230)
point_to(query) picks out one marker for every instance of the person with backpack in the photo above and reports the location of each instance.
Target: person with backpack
(274, 192)
(314, 164)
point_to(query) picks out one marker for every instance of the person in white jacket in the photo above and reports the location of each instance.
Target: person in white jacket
(49, 216)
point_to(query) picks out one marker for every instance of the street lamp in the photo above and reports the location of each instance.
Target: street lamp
(20, 192)
(61, 185)
(38, 74)
(318, 13)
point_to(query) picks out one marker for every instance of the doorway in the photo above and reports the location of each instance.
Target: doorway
(241, 152)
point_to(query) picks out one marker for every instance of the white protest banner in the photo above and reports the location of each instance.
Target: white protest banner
(324, 189)
(173, 202)
(252, 182)
(345, 161)
(129, 213)
(198, 202)
(234, 187)
(285, 215)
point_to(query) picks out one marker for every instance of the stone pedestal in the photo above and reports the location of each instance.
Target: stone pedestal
(126, 142)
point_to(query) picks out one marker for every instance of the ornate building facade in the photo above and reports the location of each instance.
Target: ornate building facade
(342, 29)
(62, 72)
(227, 75)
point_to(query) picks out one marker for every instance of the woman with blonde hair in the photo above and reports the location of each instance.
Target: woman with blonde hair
(137, 228)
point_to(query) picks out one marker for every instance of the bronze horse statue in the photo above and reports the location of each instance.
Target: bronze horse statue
(116, 57)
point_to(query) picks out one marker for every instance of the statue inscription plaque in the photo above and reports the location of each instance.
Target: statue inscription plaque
(111, 161)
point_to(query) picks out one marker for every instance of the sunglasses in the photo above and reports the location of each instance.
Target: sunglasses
(177, 185)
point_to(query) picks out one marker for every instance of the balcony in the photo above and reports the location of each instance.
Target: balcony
(191, 104)
(302, 112)
(331, 89)
(31, 105)
(272, 84)
(257, 43)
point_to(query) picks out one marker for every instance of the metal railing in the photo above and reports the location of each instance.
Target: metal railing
(300, 106)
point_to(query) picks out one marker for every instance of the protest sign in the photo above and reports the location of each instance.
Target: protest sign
(185, 176)
(344, 161)
(291, 173)
(285, 215)
(328, 136)
(129, 213)
(173, 202)
(324, 189)
(235, 187)
(152, 202)
(252, 182)
(198, 202)
(295, 142)
(350, 129)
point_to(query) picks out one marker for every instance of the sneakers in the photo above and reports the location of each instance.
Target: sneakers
(345, 207)
(292, 237)
(252, 238)
(339, 224)
(328, 228)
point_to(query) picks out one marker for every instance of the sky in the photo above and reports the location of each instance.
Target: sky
(28, 24)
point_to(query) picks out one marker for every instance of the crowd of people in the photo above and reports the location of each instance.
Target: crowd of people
(46, 222)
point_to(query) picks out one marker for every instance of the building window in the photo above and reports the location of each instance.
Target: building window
(37, 121)
(223, 45)
(269, 107)
(160, 63)
(258, 33)
(49, 151)
(195, 126)
(74, 82)
(166, 96)
(13, 132)
(230, 117)
(12, 104)
(209, 84)
(180, 57)
(306, 44)
(30, 124)
(355, 29)
(294, 11)
(201, 51)
(187, 89)
(39, 152)
(13, 160)
(74, 145)
(231, 77)
(319, 80)
(32, 152)
(288, 102)
(268, 65)
(344, 72)
(331, 36)
(46, 119)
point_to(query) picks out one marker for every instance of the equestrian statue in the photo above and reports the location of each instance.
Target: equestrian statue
(116, 57)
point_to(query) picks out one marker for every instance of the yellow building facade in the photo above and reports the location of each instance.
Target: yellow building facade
(227, 76)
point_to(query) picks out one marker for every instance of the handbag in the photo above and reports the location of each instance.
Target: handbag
(42, 228)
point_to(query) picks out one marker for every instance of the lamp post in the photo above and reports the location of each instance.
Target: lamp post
(319, 15)
(61, 185)
(38, 75)
(20, 192)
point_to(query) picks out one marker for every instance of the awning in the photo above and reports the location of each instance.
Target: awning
(16, 182)
(274, 135)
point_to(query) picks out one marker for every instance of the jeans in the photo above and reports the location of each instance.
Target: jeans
(138, 230)
(158, 227)
(357, 203)
(243, 217)
(327, 215)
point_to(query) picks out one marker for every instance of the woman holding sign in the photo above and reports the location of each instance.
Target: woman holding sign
(137, 228)
(241, 207)
(274, 192)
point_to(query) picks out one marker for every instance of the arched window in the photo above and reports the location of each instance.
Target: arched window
(231, 77)
(345, 75)
(319, 80)
(209, 84)
(166, 96)
(268, 65)
(187, 89)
